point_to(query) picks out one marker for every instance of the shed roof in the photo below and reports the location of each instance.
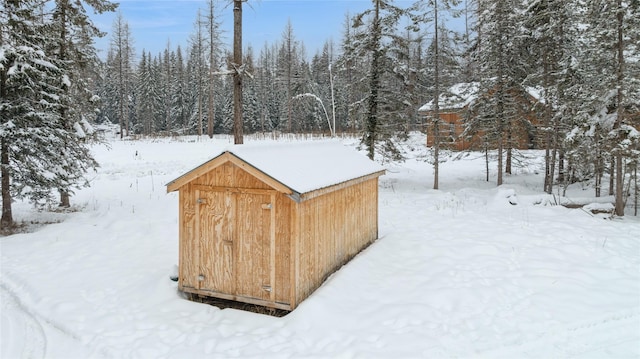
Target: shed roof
(301, 167)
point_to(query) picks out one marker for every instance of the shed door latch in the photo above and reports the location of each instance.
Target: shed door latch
(201, 201)
(267, 288)
(266, 206)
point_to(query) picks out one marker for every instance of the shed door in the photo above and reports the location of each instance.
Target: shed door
(236, 242)
(253, 229)
(215, 241)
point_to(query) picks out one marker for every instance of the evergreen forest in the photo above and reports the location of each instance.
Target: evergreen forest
(581, 57)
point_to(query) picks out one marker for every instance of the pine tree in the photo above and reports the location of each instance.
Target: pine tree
(41, 150)
(270, 94)
(159, 85)
(106, 90)
(320, 84)
(377, 42)
(497, 109)
(440, 38)
(550, 39)
(351, 69)
(288, 63)
(145, 94)
(122, 48)
(213, 34)
(614, 30)
(238, 68)
(251, 107)
(261, 80)
(75, 55)
(198, 70)
(179, 101)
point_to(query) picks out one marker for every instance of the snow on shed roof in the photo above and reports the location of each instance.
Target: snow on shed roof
(303, 167)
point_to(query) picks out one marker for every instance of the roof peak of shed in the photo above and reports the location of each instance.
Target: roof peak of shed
(302, 167)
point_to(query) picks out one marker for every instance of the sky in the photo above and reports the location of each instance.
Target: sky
(154, 23)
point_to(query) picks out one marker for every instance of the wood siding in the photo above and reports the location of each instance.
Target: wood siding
(242, 239)
(451, 128)
(333, 229)
(230, 238)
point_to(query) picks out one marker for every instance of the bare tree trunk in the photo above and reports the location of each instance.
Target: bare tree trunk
(598, 179)
(562, 171)
(211, 107)
(7, 215)
(199, 78)
(436, 103)
(554, 155)
(436, 150)
(65, 200)
(289, 101)
(613, 175)
(507, 165)
(371, 131)
(500, 131)
(121, 81)
(237, 75)
(212, 63)
(62, 55)
(5, 171)
(486, 159)
(548, 175)
(500, 111)
(123, 48)
(635, 179)
(167, 93)
(500, 149)
(199, 107)
(620, 111)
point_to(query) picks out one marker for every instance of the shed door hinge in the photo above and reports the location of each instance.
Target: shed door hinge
(201, 201)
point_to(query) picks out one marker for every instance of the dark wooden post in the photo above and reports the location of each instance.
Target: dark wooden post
(237, 75)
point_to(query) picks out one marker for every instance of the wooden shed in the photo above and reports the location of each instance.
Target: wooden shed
(267, 224)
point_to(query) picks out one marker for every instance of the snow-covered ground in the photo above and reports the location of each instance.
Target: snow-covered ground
(470, 270)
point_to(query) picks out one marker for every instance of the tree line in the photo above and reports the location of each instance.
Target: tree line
(582, 57)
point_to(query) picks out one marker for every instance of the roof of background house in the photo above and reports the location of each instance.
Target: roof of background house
(462, 94)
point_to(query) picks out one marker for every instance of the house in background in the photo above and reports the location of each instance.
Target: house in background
(456, 103)
(453, 104)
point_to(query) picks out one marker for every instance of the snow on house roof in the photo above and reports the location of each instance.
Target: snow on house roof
(536, 93)
(455, 97)
(306, 166)
(461, 95)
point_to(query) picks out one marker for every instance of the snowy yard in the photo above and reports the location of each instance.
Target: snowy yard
(470, 270)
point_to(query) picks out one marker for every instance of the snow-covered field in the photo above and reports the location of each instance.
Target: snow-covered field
(470, 270)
